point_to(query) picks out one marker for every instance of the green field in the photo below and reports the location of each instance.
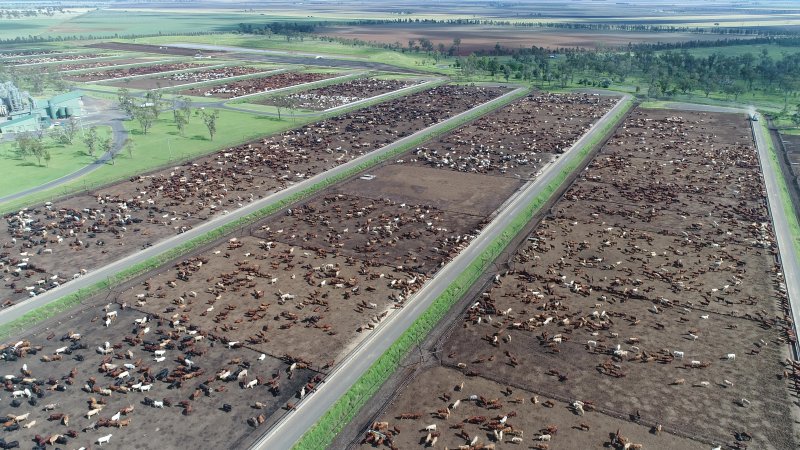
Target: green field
(163, 145)
(21, 174)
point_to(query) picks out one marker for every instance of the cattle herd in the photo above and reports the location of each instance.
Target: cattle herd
(110, 74)
(51, 58)
(646, 310)
(181, 78)
(232, 336)
(96, 228)
(340, 94)
(256, 85)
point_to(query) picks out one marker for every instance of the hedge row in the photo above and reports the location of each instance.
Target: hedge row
(334, 420)
(31, 318)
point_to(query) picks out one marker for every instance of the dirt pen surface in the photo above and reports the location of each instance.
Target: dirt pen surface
(256, 85)
(530, 417)
(537, 130)
(130, 71)
(328, 97)
(145, 384)
(99, 227)
(300, 288)
(96, 64)
(650, 295)
(181, 78)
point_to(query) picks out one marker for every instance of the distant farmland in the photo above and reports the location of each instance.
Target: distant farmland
(485, 37)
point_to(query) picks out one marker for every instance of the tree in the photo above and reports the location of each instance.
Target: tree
(180, 121)
(493, 66)
(210, 119)
(281, 102)
(105, 146)
(456, 45)
(506, 72)
(24, 144)
(155, 101)
(129, 147)
(145, 116)
(66, 133)
(126, 102)
(796, 116)
(186, 107)
(36, 148)
(91, 139)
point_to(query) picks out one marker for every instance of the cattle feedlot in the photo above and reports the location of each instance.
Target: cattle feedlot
(350, 225)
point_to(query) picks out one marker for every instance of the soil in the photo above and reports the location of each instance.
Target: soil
(256, 85)
(130, 71)
(537, 129)
(658, 248)
(592, 430)
(278, 299)
(178, 79)
(61, 382)
(280, 292)
(483, 38)
(328, 97)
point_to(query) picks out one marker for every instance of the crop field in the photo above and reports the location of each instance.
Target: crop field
(92, 229)
(131, 71)
(333, 96)
(647, 294)
(485, 37)
(181, 78)
(256, 85)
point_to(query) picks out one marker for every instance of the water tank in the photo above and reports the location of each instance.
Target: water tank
(61, 112)
(68, 111)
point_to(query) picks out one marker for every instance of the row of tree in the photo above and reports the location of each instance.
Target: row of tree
(21, 13)
(665, 73)
(35, 143)
(146, 111)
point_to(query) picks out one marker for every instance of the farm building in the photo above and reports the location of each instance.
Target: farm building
(21, 124)
(21, 112)
(65, 105)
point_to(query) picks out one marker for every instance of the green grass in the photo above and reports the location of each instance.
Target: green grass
(786, 199)
(105, 22)
(323, 432)
(163, 145)
(21, 174)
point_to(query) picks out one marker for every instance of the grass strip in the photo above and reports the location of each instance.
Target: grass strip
(786, 199)
(337, 417)
(45, 312)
